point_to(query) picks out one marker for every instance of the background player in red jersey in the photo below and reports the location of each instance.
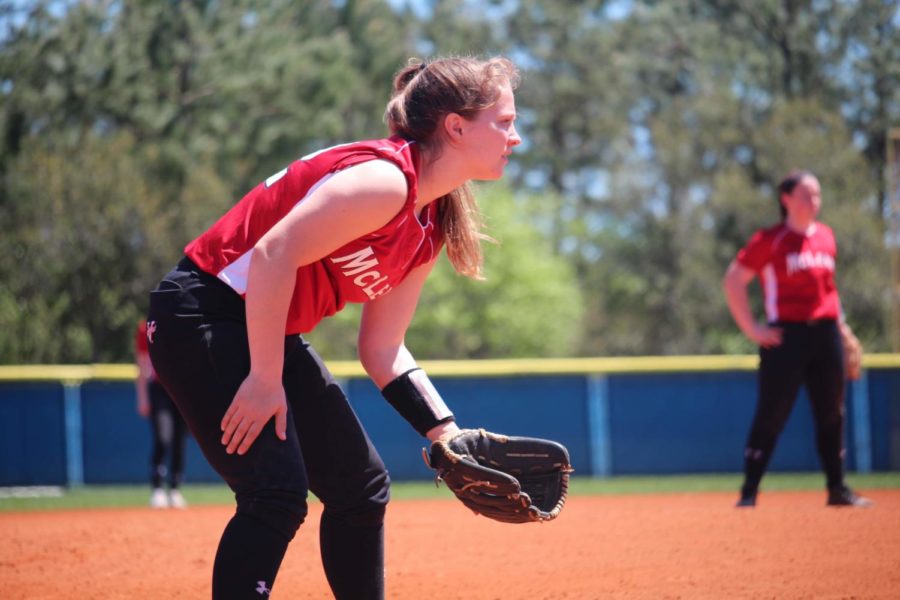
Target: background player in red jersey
(800, 342)
(360, 222)
(169, 434)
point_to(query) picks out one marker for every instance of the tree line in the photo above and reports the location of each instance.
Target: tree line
(654, 132)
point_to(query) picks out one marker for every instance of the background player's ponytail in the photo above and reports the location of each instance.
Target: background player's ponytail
(787, 185)
(424, 93)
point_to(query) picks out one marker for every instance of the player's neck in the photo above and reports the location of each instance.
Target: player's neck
(439, 177)
(801, 226)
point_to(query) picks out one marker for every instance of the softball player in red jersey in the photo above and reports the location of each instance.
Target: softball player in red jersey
(360, 222)
(800, 343)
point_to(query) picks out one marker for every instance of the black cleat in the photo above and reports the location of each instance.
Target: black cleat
(844, 496)
(746, 501)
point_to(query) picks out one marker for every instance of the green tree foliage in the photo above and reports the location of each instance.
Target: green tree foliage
(129, 127)
(529, 304)
(654, 135)
(244, 86)
(640, 114)
(81, 252)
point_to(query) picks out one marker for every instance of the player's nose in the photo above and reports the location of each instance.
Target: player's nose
(514, 138)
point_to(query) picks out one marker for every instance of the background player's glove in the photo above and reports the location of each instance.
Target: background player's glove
(508, 479)
(853, 352)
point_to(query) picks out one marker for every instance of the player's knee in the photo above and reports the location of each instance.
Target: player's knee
(371, 508)
(282, 510)
(366, 508)
(763, 437)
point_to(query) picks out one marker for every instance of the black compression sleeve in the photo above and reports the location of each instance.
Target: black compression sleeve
(413, 395)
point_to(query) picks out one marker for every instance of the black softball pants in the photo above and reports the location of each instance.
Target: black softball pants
(810, 354)
(169, 438)
(200, 352)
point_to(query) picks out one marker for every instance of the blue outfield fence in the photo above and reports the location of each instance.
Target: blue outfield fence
(72, 425)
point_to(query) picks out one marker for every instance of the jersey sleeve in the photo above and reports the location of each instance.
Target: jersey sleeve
(756, 253)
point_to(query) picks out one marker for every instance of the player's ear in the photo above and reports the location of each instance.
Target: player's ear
(454, 125)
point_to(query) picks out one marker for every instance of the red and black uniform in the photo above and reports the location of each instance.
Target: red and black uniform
(796, 271)
(166, 425)
(359, 271)
(201, 355)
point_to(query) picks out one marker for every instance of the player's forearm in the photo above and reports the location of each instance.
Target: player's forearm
(384, 363)
(739, 305)
(380, 345)
(141, 392)
(144, 369)
(270, 286)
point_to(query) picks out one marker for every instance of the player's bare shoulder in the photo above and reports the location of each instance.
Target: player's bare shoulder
(375, 178)
(370, 193)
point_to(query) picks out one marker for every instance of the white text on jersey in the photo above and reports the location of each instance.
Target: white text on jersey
(801, 261)
(361, 266)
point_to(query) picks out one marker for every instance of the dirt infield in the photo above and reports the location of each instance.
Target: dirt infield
(663, 546)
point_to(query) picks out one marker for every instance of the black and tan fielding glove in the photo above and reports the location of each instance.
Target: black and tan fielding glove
(508, 479)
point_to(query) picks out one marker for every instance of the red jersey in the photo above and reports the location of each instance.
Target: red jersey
(361, 270)
(796, 272)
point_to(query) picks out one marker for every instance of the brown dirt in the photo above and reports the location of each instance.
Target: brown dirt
(663, 546)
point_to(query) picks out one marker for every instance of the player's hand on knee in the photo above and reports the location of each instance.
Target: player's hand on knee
(255, 402)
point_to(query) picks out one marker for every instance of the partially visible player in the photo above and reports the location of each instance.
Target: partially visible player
(360, 222)
(168, 429)
(800, 341)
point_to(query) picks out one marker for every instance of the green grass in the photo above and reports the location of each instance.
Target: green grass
(108, 496)
(723, 483)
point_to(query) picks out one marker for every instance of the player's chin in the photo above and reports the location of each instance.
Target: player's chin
(493, 174)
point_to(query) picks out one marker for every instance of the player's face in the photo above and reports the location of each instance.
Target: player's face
(804, 202)
(491, 136)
